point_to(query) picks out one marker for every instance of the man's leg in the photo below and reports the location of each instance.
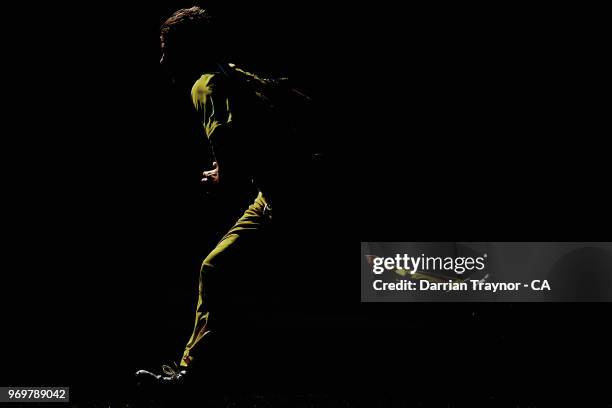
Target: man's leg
(226, 254)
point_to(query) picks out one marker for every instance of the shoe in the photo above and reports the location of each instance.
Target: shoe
(170, 375)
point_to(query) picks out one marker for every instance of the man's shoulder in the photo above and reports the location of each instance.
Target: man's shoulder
(275, 92)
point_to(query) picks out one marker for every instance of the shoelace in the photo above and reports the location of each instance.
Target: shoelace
(172, 372)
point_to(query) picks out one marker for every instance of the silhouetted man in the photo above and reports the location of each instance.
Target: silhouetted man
(250, 124)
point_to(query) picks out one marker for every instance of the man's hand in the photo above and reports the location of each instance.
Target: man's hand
(211, 177)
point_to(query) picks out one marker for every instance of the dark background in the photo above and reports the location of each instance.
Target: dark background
(441, 124)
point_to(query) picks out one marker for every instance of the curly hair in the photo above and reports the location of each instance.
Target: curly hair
(185, 26)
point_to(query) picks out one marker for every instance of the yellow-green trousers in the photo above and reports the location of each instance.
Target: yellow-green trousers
(226, 254)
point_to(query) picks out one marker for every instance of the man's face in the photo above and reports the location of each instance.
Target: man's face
(174, 64)
(184, 63)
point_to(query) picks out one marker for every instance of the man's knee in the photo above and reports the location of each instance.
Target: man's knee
(213, 259)
(207, 265)
(207, 278)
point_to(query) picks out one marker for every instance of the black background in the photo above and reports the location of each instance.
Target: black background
(445, 123)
